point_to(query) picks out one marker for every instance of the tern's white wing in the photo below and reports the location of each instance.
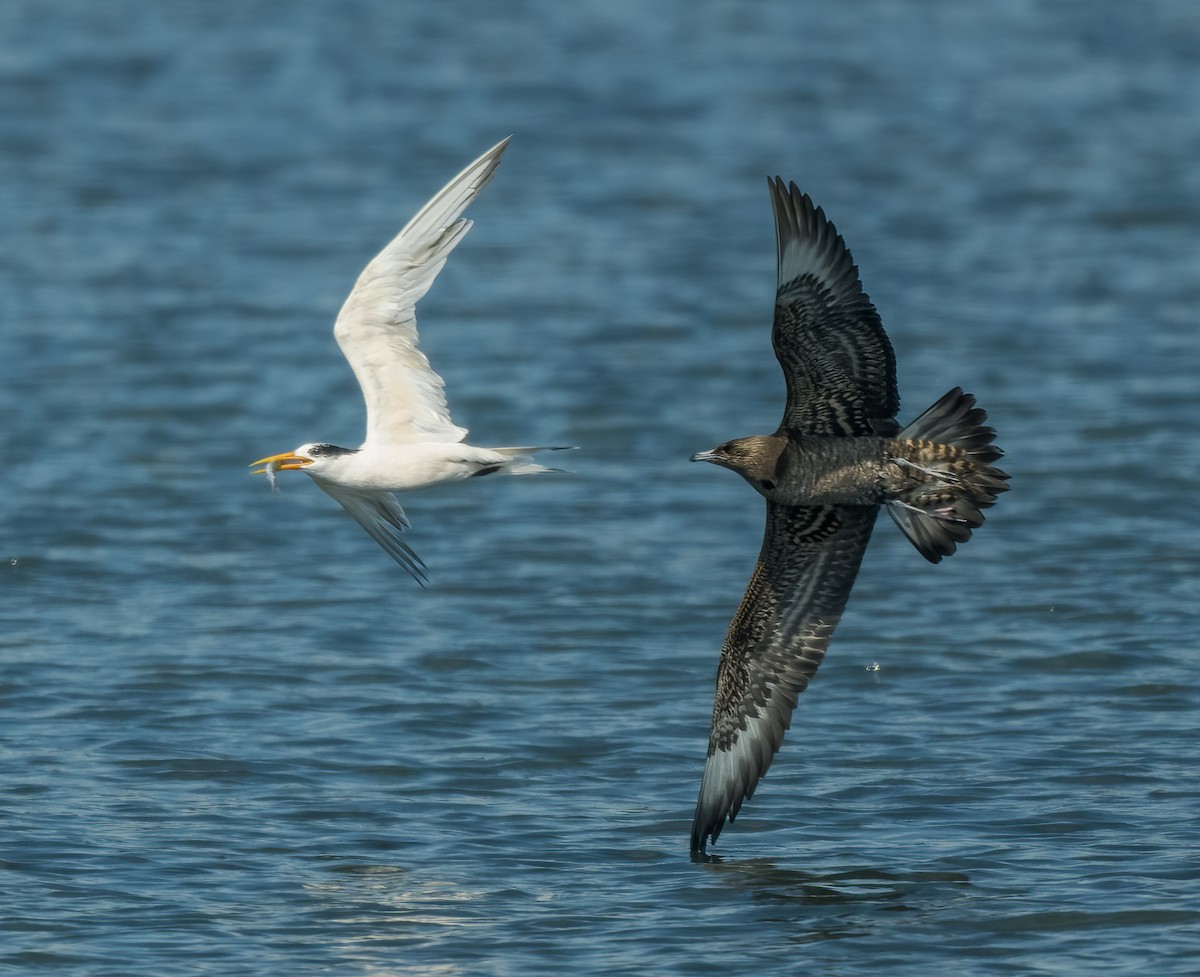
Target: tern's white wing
(381, 516)
(377, 327)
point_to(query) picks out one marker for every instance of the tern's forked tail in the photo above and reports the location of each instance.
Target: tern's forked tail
(521, 461)
(941, 475)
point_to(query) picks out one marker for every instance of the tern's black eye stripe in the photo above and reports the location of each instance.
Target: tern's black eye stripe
(330, 451)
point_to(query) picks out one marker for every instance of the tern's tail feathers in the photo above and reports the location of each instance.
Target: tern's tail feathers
(521, 460)
(945, 475)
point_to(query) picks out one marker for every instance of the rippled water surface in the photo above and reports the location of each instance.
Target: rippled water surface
(236, 739)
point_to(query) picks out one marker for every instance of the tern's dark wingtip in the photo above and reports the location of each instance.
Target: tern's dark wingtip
(415, 568)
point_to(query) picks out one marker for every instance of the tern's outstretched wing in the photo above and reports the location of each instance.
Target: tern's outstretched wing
(377, 327)
(810, 557)
(837, 360)
(381, 516)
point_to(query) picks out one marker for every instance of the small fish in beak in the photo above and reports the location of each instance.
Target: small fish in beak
(274, 463)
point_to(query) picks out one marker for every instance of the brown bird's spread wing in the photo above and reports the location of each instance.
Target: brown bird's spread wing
(837, 360)
(809, 559)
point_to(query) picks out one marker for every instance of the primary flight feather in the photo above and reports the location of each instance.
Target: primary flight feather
(411, 440)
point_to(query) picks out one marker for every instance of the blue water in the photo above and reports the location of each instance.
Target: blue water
(235, 739)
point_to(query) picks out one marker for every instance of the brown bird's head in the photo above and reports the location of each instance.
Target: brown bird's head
(756, 459)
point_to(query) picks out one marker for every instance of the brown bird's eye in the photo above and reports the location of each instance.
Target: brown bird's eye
(768, 484)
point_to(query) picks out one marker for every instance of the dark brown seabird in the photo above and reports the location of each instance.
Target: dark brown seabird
(838, 455)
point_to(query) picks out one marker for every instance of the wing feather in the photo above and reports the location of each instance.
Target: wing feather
(810, 557)
(377, 326)
(382, 517)
(838, 363)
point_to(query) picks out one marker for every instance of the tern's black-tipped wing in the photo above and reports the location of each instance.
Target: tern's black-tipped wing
(837, 360)
(377, 326)
(381, 516)
(809, 559)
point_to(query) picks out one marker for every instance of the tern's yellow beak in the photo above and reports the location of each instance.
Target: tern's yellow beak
(279, 463)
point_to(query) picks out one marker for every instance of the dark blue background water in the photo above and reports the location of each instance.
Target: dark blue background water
(235, 739)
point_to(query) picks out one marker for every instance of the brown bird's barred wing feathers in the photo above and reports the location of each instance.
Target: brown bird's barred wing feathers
(809, 559)
(836, 358)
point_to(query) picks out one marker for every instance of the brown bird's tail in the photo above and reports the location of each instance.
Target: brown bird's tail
(941, 475)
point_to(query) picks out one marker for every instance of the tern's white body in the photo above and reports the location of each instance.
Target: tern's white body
(411, 440)
(405, 467)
